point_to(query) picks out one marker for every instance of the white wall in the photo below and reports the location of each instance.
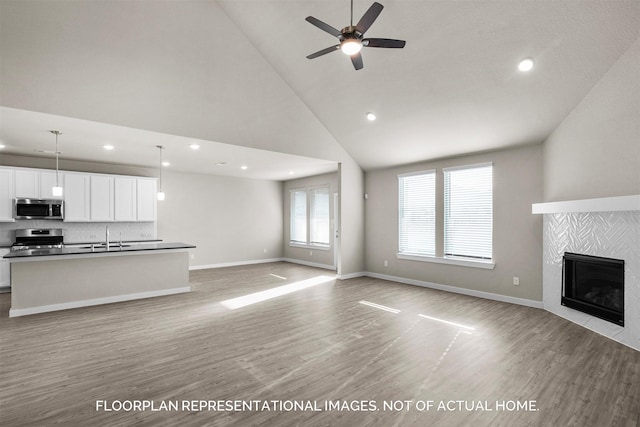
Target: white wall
(517, 240)
(595, 152)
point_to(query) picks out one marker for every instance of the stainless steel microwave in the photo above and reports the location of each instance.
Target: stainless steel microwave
(38, 209)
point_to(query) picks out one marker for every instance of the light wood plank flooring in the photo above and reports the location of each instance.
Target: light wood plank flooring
(318, 344)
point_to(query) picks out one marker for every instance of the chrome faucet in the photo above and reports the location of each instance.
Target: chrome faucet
(107, 237)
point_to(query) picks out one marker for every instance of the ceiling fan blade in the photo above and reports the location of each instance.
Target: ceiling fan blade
(369, 17)
(389, 43)
(324, 27)
(357, 61)
(323, 51)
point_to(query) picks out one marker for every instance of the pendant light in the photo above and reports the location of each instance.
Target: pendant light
(160, 192)
(57, 190)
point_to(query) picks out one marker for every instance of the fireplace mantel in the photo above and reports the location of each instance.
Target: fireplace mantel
(603, 204)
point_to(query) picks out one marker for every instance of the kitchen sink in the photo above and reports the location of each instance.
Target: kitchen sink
(101, 246)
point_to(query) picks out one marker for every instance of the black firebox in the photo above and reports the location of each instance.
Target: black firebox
(594, 285)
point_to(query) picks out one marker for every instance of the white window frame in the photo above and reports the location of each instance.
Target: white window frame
(309, 200)
(293, 216)
(404, 248)
(438, 258)
(484, 252)
(313, 221)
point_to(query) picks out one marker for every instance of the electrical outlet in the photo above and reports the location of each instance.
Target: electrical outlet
(265, 250)
(516, 281)
(192, 256)
(311, 253)
(386, 263)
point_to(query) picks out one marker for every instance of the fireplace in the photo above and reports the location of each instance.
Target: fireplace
(594, 285)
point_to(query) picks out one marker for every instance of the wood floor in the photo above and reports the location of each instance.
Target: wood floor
(322, 345)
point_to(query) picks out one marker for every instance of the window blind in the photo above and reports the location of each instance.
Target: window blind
(320, 223)
(417, 215)
(468, 211)
(298, 219)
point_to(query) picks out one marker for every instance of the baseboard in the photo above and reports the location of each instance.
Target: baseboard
(309, 263)
(454, 289)
(235, 263)
(17, 312)
(352, 275)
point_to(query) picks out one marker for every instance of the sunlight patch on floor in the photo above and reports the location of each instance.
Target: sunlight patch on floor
(380, 307)
(254, 298)
(469, 328)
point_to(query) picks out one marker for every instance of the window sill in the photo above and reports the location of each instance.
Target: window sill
(307, 246)
(464, 262)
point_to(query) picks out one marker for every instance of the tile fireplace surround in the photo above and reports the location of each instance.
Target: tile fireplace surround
(607, 227)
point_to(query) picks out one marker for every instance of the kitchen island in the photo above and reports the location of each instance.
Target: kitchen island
(44, 280)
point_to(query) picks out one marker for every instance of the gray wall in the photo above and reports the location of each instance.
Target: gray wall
(229, 219)
(312, 256)
(517, 235)
(595, 152)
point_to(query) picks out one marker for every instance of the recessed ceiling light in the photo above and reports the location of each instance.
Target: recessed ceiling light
(194, 146)
(166, 164)
(244, 167)
(371, 117)
(291, 172)
(108, 147)
(526, 65)
(222, 163)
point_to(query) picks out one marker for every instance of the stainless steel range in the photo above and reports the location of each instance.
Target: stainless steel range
(38, 238)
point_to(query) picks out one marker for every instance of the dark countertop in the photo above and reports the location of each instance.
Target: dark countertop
(98, 251)
(124, 241)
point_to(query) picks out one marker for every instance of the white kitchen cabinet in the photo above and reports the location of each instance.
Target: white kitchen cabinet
(7, 189)
(102, 208)
(5, 271)
(47, 182)
(36, 184)
(125, 199)
(27, 184)
(77, 195)
(147, 199)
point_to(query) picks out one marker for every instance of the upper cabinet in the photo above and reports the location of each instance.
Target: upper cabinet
(48, 180)
(102, 198)
(36, 184)
(126, 199)
(146, 206)
(27, 184)
(77, 195)
(87, 196)
(7, 189)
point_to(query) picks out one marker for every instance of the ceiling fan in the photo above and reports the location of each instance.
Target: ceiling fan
(352, 38)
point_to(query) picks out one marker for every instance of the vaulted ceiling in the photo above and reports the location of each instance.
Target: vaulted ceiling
(233, 73)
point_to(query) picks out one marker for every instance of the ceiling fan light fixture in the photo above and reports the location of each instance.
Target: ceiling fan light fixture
(525, 65)
(351, 46)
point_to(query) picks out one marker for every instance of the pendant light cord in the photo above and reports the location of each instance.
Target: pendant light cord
(57, 155)
(160, 147)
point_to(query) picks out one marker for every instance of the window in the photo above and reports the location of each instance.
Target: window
(417, 214)
(319, 217)
(310, 219)
(468, 211)
(298, 216)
